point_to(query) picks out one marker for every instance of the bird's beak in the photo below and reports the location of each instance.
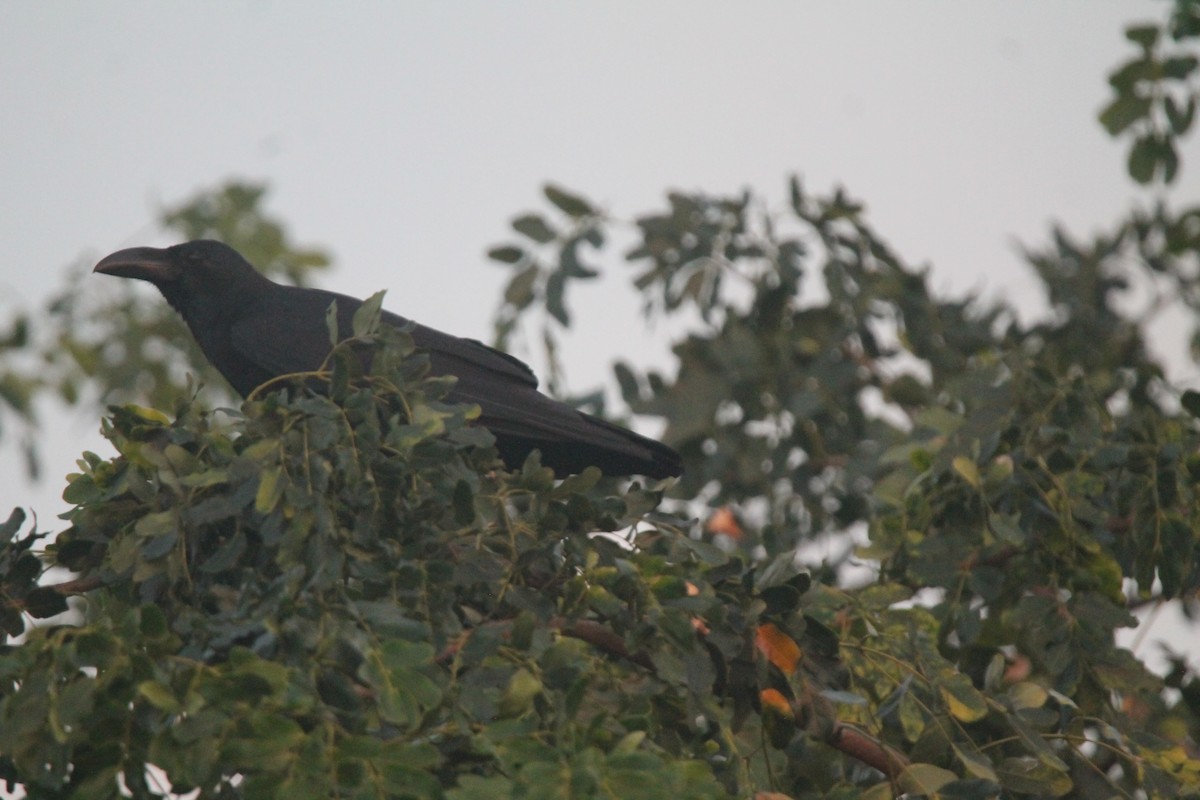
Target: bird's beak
(145, 263)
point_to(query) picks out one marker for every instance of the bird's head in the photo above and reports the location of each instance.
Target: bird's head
(191, 276)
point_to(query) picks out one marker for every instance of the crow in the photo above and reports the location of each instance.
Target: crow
(253, 329)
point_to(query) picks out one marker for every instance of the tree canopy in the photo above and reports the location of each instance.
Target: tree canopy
(342, 593)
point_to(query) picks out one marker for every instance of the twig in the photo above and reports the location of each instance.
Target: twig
(77, 586)
(858, 745)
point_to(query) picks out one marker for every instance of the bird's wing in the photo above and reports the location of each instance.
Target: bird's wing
(286, 332)
(453, 355)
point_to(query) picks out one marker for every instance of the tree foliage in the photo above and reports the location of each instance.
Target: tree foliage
(94, 345)
(338, 591)
(1156, 93)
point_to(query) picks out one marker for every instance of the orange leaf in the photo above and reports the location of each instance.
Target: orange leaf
(1018, 669)
(774, 700)
(779, 723)
(778, 647)
(724, 522)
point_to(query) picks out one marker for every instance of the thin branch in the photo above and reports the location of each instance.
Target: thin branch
(596, 634)
(858, 745)
(77, 586)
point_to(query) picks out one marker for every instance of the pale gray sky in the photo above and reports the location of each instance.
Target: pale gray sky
(404, 135)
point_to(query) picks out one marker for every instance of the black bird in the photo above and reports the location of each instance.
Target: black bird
(253, 329)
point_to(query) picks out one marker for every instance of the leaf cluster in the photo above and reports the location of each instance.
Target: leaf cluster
(1155, 94)
(1011, 481)
(340, 594)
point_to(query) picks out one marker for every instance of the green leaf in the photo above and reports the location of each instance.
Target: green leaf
(796, 195)
(331, 323)
(159, 696)
(782, 568)
(518, 696)
(367, 316)
(13, 524)
(967, 470)
(477, 787)
(1027, 694)
(152, 623)
(707, 552)
(464, 503)
(925, 779)
(225, 556)
(964, 702)
(630, 391)
(506, 254)
(1179, 68)
(205, 478)
(535, 227)
(939, 419)
(578, 483)
(570, 204)
(1144, 35)
(629, 743)
(1191, 402)
(976, 765)
(1036, 744)
(388, 619)
(1131, 73)
(556, 298)
(80, 490)
(45, 602)
(1143, 159)
(98, 785)
(1007, 528)
(1180, 120)
(146, 414)
(1168, 157)
(270, 490)
(1029, 776)
(570, 264)
(1124, 111)
(519, 292)
(880, 791)
(152, 526)
(24, 570)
